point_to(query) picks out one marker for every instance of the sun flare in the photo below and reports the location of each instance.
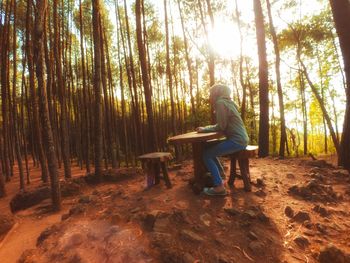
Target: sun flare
(224, 39)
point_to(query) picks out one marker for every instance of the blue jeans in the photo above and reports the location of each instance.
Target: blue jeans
(211, 153)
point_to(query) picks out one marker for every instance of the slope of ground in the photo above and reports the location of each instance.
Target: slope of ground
(297, 212)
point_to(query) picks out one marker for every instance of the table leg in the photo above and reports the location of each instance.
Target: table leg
(198, 164)
(199, 180)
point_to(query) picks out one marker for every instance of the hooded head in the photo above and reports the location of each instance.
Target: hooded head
(219, 91)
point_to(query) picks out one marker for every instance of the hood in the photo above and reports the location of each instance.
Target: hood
(220, 91)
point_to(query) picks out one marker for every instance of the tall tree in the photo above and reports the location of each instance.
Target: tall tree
(36, 131)
(188, 60)
(40, 13)
(168, 70)
(152, 143)
(14, 100)
(341, 14)
(263, 82)
(283, 137)
(86, 134)
(62, 92)
(96, 18)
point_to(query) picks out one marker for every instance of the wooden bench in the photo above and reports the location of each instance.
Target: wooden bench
(152, 163)
(243, 160)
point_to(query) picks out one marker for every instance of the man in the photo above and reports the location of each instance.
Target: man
(230, 123)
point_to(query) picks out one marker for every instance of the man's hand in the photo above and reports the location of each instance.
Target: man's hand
(200, 129)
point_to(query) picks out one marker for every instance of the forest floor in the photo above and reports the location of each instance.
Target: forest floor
(298, 211)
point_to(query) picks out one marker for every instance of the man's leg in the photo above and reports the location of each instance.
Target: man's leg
(210, 157)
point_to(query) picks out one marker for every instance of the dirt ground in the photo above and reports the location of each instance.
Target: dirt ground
(298, 211)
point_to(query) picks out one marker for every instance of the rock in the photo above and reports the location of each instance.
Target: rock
(245, 224)
(321, 210)
(65, 217)
(252, 236)
(74, 240)
(149, 220)
(205, 218)
(263, 218)
(308, 224)
(71, 187)
(301, 217)
(301, 241)
(257, 247)
(223, 259)
(161, 224)
(334, 255)
(309, 233)
(288, 211)
(321, 228)
(260, 182)
(231, 211)
(85, 199)
(77, 209)
(45, 234)
(250, 214)
(135, 210)
(341, 173)
(27, 256)
(6, 223)
(290, 176)
(189, 235)
(23, 200)
(223, 222)
(187, 258)
(162, 239)
(181, 216)
(260, 193)
(115, 218)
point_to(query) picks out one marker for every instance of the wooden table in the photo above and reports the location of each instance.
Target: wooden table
(198, 141)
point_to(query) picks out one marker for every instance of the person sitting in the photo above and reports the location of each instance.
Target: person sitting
(230, 123)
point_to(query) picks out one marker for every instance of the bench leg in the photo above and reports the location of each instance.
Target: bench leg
(233, 174)
(149, 173)
(165, 175)
(244, 167)
(156, 169)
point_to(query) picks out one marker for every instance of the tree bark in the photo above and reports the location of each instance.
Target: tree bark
(153, 145)
(62, 94)
(263, 82)
(14, 103)
(283, 136)
(36, 132)
(40, 12)
(341, 14)
(96, 17)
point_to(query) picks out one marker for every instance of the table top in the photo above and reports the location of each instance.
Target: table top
(191, 137)
(162, 156)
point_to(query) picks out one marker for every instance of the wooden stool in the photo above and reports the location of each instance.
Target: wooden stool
(243, 160)
(151, 163)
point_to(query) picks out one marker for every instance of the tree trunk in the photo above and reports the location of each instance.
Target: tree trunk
(40, 12)
(86, 134)
(96, 18)
(62, 94)
(138, 137)
(188, 60)
(323, 108)
(152, 146)
(341, 14)
(263, 82)
(14, 103)
(36, 132)
(278, 80)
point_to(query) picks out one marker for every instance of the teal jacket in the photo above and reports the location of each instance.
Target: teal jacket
(229, 121)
